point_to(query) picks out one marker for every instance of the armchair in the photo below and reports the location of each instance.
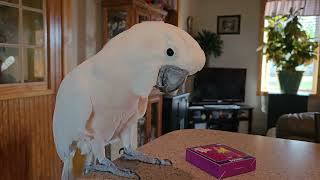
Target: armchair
(299, 126)
(317, 125)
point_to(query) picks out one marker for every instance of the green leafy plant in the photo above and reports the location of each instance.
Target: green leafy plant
(210, 43)
(288, 45)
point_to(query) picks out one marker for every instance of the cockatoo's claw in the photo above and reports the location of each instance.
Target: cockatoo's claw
(164, 162)
(158, 161)
(121, 150)
(136, 175)
(108, 166)
(130, 174)
(87, 170)
(131, 155)
(113, 169)
(167, 162)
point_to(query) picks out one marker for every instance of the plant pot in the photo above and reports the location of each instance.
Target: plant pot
(207, 64)
(290, 81)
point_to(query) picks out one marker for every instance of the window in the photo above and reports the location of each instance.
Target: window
(23, 58)
(269, 78)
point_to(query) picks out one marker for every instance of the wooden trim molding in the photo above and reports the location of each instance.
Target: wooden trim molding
(24, 90)
(260, 55)
(55, 45)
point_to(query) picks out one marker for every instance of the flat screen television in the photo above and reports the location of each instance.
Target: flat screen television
(220, 85)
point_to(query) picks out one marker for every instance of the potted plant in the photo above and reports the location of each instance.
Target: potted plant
(288, 46)
(210, 43)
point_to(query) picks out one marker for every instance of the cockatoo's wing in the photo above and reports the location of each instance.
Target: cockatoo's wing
(72, 112)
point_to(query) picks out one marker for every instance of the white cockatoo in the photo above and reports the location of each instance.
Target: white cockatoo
(101, 98)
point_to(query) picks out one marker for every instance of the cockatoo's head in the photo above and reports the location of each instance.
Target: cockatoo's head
(170, 53)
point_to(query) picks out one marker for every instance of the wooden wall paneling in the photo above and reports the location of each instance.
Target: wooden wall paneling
(12, 139)
(5, 140)
(54, 8)
(24, 138)
(27, 149)
(2, 138)
(260, 54)
(32, 137)
(9, 141)
(5, 151)
(17, 135)
(46, 133)
(39, 129)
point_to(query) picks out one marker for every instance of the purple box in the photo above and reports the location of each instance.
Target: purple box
(220, 160)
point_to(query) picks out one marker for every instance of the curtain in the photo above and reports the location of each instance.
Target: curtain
(310, 8)
(282, 7)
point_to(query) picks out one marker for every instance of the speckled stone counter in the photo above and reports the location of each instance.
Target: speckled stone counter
(276, 158)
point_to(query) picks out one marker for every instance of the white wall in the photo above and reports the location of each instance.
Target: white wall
(239, 50)
(82, 31)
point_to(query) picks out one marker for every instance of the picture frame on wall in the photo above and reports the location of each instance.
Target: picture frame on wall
(229, 24)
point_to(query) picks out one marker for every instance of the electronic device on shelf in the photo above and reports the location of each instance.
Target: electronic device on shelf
(219, 117)
(219, 85)
(222, 107)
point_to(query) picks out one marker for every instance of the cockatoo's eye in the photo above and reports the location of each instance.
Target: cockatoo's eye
(170, 52)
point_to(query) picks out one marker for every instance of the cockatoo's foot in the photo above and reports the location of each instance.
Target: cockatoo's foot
(129, 154)
(110, 167)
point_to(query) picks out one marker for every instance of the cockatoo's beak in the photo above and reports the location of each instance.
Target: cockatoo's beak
(170, 78)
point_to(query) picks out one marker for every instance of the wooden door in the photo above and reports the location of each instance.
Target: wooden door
(26, 146)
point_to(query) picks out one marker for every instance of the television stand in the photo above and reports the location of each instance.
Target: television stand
(210, 103)
(219, 116)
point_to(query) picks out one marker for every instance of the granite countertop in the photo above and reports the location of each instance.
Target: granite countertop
(276, 158)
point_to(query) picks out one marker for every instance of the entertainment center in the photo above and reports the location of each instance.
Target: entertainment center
(219, 117)
(217, 100)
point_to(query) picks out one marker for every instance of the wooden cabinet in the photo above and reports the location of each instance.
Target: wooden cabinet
(150, 127)
(175, 112)
(120, 15)
(280, 104)
(153, 117)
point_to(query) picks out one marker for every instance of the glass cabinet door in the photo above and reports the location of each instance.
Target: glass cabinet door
(117, 22)
(22, 41)
(142, 15)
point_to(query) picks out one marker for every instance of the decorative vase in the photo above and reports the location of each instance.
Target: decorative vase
(290, 81)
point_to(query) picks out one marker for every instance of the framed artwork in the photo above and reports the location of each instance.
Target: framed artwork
(229, 24)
